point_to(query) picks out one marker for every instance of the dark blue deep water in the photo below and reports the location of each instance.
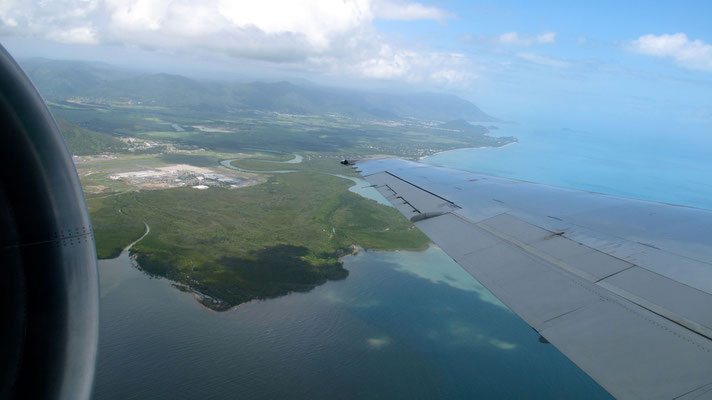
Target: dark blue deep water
(408, 325)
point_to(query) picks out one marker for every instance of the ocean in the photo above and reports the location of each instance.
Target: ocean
(660, 168)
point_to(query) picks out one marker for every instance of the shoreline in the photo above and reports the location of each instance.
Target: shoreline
(213, 304)
(354, 250)
(210, 303)
(468, 148)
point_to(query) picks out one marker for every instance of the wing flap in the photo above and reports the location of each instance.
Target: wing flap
(630, 352)
(687, 306)
(638, 333)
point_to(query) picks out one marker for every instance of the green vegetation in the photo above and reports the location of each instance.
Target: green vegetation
(261, 165)
(190, 159)
(257, 242)
(82, 141)
(113, 229)
(279, 132)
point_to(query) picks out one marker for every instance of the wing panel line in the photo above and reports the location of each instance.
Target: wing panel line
(648, 305)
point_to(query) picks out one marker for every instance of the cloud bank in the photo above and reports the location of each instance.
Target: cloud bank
(408, 11)
(319, 35)
(691, 54)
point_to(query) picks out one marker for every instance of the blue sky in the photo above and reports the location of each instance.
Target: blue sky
(590, 69)
(642, 66)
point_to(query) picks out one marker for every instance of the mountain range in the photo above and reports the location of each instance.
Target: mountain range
(62, 80)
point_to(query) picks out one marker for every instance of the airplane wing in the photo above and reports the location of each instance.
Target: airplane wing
(622, 287)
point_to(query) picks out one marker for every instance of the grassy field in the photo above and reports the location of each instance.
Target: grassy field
(261, 165)
(284, 235)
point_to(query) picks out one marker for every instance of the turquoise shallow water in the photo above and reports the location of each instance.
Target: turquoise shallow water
(364, 189)
(653, 168)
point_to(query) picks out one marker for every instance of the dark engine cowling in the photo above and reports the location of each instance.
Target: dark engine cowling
(49, 292)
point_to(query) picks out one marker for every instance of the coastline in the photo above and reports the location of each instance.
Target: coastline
(210, 303)
(354, 250)
(468, 148)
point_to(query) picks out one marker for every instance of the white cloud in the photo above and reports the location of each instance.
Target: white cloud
(438, 67)
(543, 60)
(316, 24)
(323, 35)
(78, 35)
(267, 29)
(400, 10)
(514, 39)
(45, 18)
(386, 64)
(318, 21)
(692, 54)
